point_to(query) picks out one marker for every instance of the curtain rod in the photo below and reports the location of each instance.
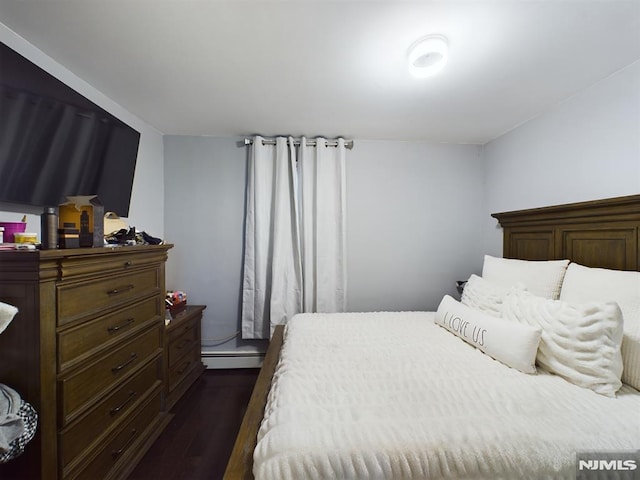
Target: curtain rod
(348, 144)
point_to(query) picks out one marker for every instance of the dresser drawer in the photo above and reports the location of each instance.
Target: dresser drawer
(78, 299)
(126, 441)
(115, 261)
(182, 341)
(79, 390)
(113, 409)
(183, 367)
(77, 343)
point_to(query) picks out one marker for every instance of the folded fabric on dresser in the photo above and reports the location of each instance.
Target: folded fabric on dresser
(393, 395)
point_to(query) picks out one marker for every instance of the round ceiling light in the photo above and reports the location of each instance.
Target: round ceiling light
(428, 55)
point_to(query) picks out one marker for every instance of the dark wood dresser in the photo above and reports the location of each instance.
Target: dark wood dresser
(183, 351)
(87, 351)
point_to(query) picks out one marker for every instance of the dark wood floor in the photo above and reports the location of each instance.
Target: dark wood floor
(198, 441)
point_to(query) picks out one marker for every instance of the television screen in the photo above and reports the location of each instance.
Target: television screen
(55, 143)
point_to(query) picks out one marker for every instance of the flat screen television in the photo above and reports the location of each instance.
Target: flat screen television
(55, 143)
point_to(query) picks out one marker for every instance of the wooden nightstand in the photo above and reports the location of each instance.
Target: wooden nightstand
(182, 352)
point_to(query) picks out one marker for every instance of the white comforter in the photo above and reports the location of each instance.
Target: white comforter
(393, 396)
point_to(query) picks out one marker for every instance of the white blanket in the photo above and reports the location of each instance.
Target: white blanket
(393, 396)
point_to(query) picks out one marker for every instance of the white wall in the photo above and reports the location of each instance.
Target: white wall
(587, 148)
(414, 210)
(146, 209)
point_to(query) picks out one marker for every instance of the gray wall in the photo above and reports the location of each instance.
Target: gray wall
(413, 212)
(587, 148)
(204, 210)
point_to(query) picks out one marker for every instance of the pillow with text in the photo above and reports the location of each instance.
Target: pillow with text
(511, 343)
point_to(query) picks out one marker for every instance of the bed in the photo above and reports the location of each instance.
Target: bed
(456, 412)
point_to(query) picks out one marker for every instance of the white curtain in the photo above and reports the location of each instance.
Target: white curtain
(295, 233)
(323, 226)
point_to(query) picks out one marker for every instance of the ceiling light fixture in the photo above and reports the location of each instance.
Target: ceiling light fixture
(428, 55)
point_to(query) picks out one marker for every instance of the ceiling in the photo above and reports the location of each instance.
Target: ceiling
(332, 68)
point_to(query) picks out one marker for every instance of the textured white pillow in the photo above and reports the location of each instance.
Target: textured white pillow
(511, 343)
(584, 284)
(580, 342)
(482, 295)
(542, 278)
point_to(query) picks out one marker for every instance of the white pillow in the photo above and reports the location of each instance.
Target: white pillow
(511, 343)
(7, 312)
(585, 284)
(580, 342)
(542, 278)
(482, 295)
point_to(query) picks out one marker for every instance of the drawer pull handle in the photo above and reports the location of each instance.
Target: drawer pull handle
(118, 290)
(117, 368)
(128, 263)
(116, 453)
(116, 410)
(183, 344)
(115, 328)
(183, 368)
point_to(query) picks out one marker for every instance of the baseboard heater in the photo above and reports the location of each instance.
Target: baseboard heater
(221, 359)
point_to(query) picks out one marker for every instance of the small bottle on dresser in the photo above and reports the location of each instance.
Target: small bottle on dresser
(49, 229)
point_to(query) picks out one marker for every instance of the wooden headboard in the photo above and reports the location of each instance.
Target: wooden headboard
(600, 233)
